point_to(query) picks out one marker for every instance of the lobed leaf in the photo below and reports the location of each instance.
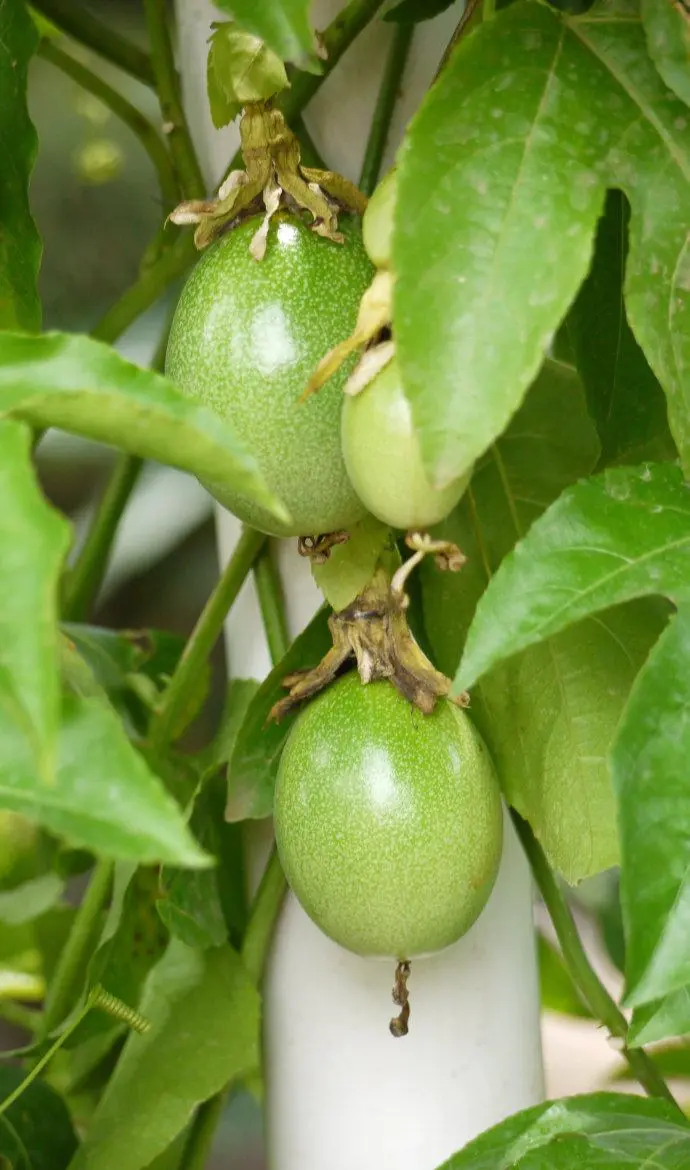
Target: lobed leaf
(501, 181)
(617, 536)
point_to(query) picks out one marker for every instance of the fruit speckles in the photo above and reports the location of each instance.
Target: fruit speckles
(245, 339)
(388, 822)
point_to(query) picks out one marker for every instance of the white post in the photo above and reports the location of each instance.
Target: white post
(342, 1093)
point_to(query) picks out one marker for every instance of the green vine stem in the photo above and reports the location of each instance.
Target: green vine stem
(66, 984)
(385, 105)
(271, 603)
(203, 639)
(124, 110)
(267, 902)
(336, 39)
(585, 978)
(184, 156)
(78, 23)
(83, 582)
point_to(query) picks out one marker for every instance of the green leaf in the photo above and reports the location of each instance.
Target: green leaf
(240, 69)
(254, 762)
(619, 535)
(30, 900)
(667, 25)
(193, 903)
(653, 786)
(33, 542)
(505, 189)
(20, 244)
(351, 566)
(673, 1061)
(550, 714)
(558, 992)
(282, 24)
(623, 395)
(133, 940)
(103, 796)
(69, 381)
(602, 1126)
(204, 1013)
(241, 691)
(662, 1019)
(38, 1133)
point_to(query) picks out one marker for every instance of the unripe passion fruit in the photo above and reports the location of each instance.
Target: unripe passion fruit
(383, 459)
(245, 338)
(377, 223)
(388, 822)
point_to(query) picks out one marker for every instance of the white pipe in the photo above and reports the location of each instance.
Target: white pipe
(342, 1094)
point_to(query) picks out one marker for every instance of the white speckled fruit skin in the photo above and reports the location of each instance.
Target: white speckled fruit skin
(388, 822)
(383, 458)
(245, 338)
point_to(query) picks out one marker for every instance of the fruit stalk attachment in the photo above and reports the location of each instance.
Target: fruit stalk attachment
(399, 1025)
(373, 630)
(273, 179)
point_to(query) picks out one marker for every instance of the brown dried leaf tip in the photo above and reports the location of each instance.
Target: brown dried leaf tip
(273, 179)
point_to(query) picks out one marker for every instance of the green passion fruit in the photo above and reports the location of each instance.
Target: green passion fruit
(383, 459)
(246, 336)
(377, 222)
(388, 822)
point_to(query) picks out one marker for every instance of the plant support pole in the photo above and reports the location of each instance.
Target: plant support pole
(341, 1092)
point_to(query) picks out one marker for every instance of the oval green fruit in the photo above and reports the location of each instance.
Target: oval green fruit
(377, 223)
(388, 822)
(383, 459)
(245, 339)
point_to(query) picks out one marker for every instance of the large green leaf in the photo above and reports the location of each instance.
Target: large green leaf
(282, 24)
(662, 1019)
(20, 245)
(619, 535)
(33, 542)
(204, 1012)
(550, 714)
(624, 397)
(103, 795)
(501, 184)
(256, 754)
(69, 381)
(667, 25)
(36, 1131)
(650, 766)
(602, 1131)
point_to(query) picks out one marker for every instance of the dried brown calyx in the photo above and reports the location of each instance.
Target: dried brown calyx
(273, 179)
(373, 634)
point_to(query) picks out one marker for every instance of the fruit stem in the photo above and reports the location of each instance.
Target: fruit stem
(165, 723)
(123, 109)
(385, 105)
(585, 978)
(271, 603)
(185, 161)
(75, 21)
(399, 1025)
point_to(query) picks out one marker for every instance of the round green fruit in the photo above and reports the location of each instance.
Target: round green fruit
(383, 459)
(388, 822)
(377, 223)
(245, 339)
